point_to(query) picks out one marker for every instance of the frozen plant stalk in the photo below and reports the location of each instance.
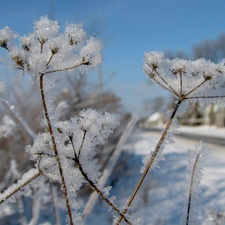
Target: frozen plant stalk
(188, 82)
(196, 166)
(64, 153)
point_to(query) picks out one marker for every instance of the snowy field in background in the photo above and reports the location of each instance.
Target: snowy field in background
(161, 198)
(212, 131)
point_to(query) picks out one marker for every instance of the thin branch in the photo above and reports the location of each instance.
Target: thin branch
(42, 42)
(54, 51)
(54, 211)
(63, 183)
(20, 184)
(91, 183)
(82, 143)
(162, 85)
(195, 88)
(35, 211)
(98, 132)
(171, 89)
(22, 218)
(111, 164)
(166, 86)
(191, 188)
(193, 97)
(151, 160)
(20, 121)
(65, 69)
(49, 60)
(181, 83)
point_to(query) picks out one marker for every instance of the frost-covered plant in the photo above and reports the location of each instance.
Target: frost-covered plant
(65, 152)
(7, 126)
(188, 82)
(196, 159)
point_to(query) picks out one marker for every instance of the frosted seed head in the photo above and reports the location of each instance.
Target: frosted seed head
(75, 34)
(90, 53)
(6, 35)
(184, 78)
(19, 57)
(45, 29)
(26, 41)
(153, 59)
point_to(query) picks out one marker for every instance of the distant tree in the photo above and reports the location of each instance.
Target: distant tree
(155, 105)
(209, 49)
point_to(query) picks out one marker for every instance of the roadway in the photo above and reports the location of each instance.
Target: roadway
(194, 136)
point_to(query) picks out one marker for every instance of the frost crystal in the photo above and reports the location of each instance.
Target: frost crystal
(7, 126)
(186, 79)
(4, 91)
(48, 51)
(75, 33)
(6, 36)
(45, 28)
(196, 160)
(65, 152)
(87, 131)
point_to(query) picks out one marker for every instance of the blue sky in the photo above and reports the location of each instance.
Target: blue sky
(128, 28)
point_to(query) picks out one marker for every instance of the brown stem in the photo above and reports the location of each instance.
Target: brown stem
(181, 83)
(195, 88)
(190, 188)
(151, 160)
(82, 143)
(22, 185)
(53, 204)
(216, 96)
(20, 121)
(162, 85)
(49, 60)
(65, 69)
(91, 183)
(63, 183)
(170, 88)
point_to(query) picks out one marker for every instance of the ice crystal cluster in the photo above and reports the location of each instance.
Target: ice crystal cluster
(47, 51)
(7, 126)
(188, 81)
(65, 152)
(76, 139)
(196, 161)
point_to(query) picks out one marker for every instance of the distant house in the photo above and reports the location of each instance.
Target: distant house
(156, 119)
(214, 114)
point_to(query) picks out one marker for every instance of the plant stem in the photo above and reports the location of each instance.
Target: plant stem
(170, 87)
(49, 60)
(190, 189)
(20, 121)
(82, 143)
(216, 96)
(151, 160)
(63, 183)
(64, 69)
(91, 183)
(181, 83)
(195, 88)
(11, 191)
(53, 204)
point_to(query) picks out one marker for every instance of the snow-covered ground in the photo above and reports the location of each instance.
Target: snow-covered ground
(160, 201)
(161, 198)
(211, 131)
